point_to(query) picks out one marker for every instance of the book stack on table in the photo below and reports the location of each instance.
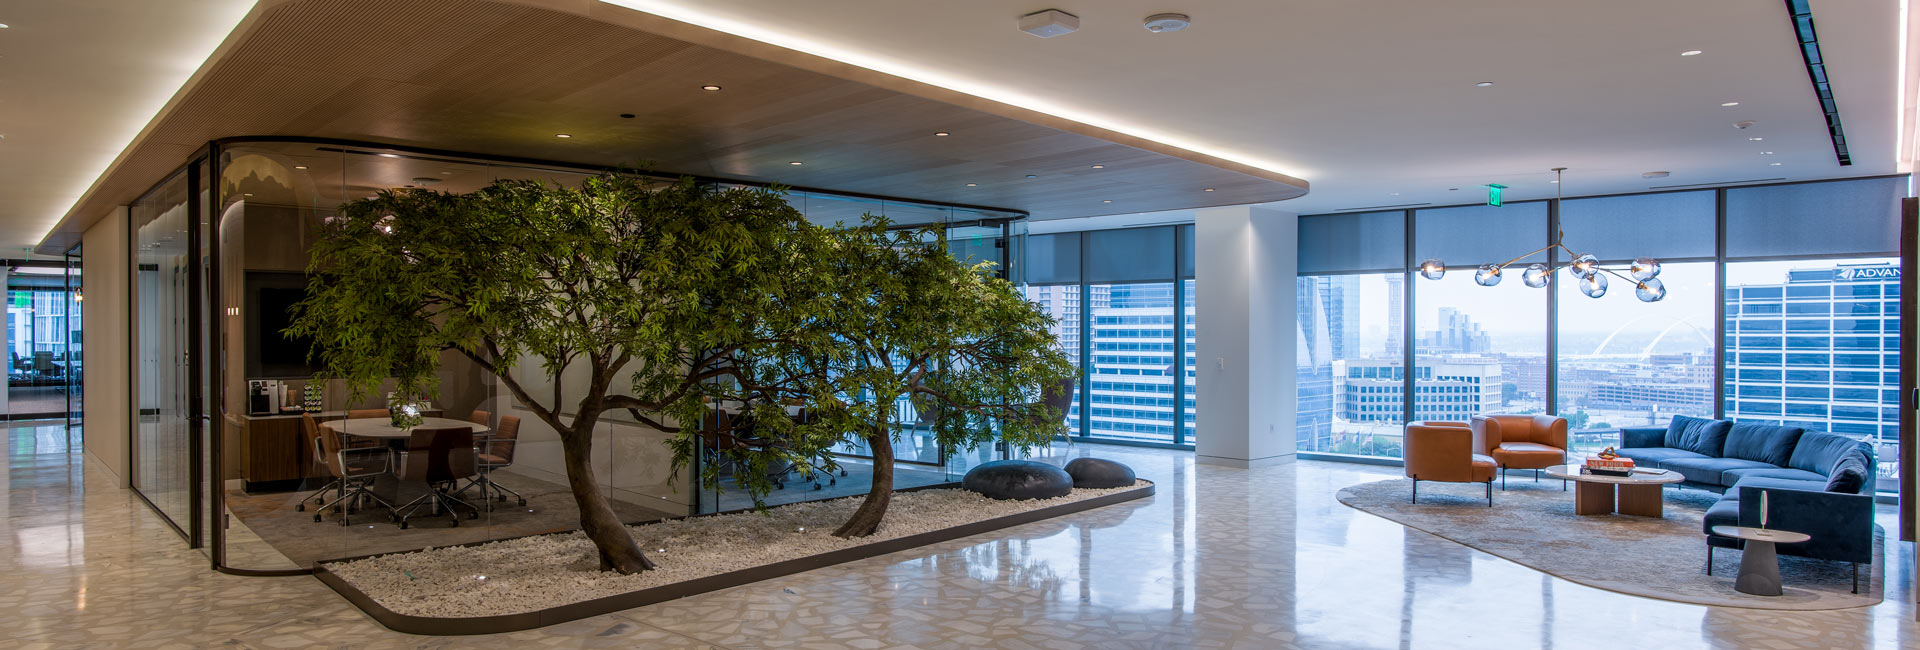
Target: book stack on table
(1620, 466)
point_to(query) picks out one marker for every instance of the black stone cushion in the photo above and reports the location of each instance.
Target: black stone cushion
(1849, 475)
(1099, 473)
(1017, 479)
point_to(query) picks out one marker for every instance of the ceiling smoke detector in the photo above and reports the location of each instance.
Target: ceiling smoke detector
(1743, 124)
(1158, 23)
(1049, 23)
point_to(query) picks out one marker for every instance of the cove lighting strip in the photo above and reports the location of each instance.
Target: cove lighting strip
(690, 12)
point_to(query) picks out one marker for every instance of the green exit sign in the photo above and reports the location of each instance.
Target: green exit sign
(1493, 194)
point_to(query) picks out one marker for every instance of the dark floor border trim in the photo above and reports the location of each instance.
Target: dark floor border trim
(575, 611)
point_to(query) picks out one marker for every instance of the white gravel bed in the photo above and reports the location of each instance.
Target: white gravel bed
(535, 573)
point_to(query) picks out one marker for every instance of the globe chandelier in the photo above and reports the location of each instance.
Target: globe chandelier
(1587, 272)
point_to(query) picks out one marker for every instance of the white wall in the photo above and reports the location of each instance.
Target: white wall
(1244, 290)
(104, 324)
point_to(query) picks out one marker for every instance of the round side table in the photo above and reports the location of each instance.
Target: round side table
(1759, 563)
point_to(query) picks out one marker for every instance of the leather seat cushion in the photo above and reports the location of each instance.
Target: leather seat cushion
(490, 459)
(1528, 455)
(1483, 467)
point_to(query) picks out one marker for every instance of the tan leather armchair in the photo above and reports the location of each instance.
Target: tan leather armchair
(1534, 442)
(1445, 452)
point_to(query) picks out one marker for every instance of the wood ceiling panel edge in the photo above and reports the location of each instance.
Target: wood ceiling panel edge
(699, 35)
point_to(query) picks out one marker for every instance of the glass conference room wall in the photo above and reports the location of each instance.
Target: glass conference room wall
(258, 219)
(1784, 296)
(1122, 301)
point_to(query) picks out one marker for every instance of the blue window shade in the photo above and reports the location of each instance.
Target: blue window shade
(1053, 259)
(1356, 242)
(1663, 226)
(1467, 237)
(1854, 217)
(1186, 252)
(1129, 255)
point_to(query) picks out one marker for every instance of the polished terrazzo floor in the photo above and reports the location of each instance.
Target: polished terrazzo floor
(1220, 558)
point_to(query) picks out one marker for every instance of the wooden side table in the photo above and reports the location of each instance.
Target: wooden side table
(1759, 562)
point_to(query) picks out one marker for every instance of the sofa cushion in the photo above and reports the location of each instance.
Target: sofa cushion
(1775, 484)
(1766, 443)
(1725, 512)
(1710, 470)
(1655, 456)
(1734, 476)
(1849, 475)
(1818, 451)
(1698, 435)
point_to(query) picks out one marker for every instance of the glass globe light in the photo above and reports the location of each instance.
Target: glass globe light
(1645, 268)
(1488, 275)
(1536, 275)
(1433, 269)
(1594, 285)
(1583, 265)
(1650, 290)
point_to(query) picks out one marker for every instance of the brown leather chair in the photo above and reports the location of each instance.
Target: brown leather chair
(495, 452)
(367, 413)
(354, 470)
(1444, 451)
(440, 458)
(481, 418)
(1534, 442)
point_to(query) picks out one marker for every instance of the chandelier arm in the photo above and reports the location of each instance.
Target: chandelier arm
(1616, 274)
(1536, 251)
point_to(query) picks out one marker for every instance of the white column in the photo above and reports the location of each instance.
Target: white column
(1244, 270)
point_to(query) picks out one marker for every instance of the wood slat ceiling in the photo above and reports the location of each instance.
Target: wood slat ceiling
(503, 79)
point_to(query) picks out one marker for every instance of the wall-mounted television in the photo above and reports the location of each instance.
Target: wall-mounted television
(267, 312)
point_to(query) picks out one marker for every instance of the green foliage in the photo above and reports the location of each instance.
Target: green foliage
(957, 341)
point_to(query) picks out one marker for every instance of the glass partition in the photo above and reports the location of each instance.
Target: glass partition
(162, 451)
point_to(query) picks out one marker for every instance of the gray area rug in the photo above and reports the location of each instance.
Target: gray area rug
(1533, 524)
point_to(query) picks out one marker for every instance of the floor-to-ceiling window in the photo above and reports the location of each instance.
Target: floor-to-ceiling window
(1810, 326)
(1624, 362)
(1124, 303)
(1478, 349)
(1351, 329)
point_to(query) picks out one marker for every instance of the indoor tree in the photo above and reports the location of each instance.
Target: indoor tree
(959, 343)
(657, 298)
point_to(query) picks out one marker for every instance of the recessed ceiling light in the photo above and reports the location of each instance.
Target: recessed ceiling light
(389, 155)
(972, 184)
(709, 88)
(299, 166)
(1106, 201)
(1773, 164)
(1393, 194)
(1207, 190)
(1731, 104)
(796, 162)
(942, 133)
(1766, 153)
(1483, 84)
(1099, 166)
(3, 25)
(562, 135)
(1033, 176)
(1690, 53)
(1554, 182)
(1756, 139)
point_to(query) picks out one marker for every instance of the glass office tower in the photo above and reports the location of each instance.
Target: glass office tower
(1817, 345)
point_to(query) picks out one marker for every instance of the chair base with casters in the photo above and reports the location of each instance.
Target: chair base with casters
(350, 501)
(318, 496)
(439, 496)
(490, 490)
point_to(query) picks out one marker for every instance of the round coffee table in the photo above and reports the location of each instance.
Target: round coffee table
(1639, 494)
(1759, 563)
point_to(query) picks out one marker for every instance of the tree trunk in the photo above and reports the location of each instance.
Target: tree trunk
(866, 520)
(618, 551)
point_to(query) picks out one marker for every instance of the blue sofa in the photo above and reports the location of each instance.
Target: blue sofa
(1817, 483)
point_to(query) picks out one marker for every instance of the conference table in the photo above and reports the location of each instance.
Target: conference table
(389, 486)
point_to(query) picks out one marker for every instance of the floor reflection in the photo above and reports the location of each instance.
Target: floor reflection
(1220, 557)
